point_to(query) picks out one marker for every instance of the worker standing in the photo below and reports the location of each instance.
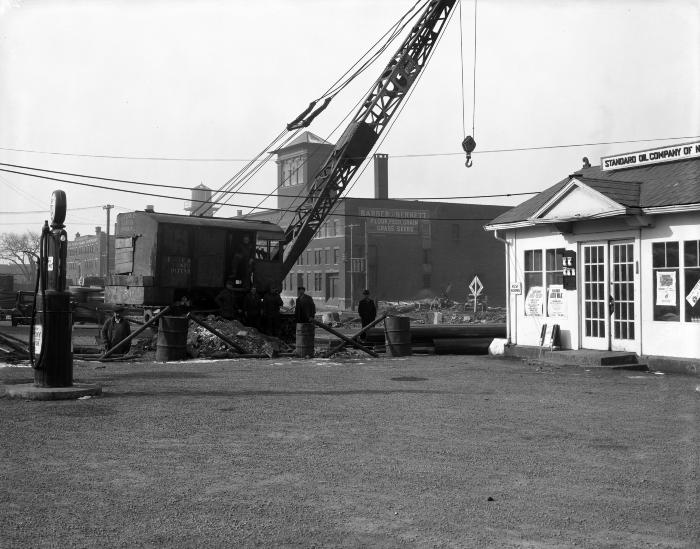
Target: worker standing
(367, 310)
(252, 308)
(305, 309)
(114, 331)
(271, 312)
(226, 300)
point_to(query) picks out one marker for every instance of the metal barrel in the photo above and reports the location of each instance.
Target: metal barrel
(398, 335)
(172, 338)
(305, 339)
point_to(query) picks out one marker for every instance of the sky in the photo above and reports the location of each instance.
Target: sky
(180, 93)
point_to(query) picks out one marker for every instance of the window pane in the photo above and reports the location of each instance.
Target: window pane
(666, 295)
(672, 254)
(690, 250)
(692, 287)
(658, 252)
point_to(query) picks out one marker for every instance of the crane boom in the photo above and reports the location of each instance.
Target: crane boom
(364, 130)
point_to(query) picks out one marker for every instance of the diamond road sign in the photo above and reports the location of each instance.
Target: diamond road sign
(476, 286)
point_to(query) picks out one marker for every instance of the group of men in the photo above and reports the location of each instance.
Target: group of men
(262, 313)
(254, 310)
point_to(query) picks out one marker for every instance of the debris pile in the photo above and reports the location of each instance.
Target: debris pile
(434, 311)
(202, 342)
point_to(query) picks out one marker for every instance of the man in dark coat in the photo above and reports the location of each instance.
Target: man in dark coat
(251, 308)
(115, 330)
(226, 300)
(271, 312)
(367, 310)
(305, 309)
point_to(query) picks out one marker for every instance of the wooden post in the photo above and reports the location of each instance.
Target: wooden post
(363, 330)
(346, 339)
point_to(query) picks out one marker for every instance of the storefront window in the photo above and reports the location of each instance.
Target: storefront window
(534, 291)
(691, 262)
(555, 266)
(666, 295)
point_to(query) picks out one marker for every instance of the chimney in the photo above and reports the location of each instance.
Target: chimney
(239, 213)
(98, 230)
(381, 176)
(77, 236)
(149, 208)
(586, 163)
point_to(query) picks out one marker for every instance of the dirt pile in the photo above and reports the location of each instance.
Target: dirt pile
(203, 343)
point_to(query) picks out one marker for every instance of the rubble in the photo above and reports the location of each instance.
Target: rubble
(203, 343)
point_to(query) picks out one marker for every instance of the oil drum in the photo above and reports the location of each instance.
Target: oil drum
(172, 338)
(305, 339)
(398, 335)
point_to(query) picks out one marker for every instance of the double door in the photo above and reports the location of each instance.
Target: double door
(609, 295)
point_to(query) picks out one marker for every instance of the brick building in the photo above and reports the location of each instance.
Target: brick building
(399, 249)
(87, 256)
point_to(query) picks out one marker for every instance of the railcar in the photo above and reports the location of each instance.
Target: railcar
(161, 257)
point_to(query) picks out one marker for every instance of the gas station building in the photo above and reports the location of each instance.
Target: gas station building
(610, 254)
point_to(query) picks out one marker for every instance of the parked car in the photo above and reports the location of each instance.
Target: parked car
(89, 310)
(22, 311)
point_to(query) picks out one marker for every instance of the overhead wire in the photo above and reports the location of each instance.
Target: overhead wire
(186, 188)
(141, 193)
(393, 156)
(398, 27)
(400, 109)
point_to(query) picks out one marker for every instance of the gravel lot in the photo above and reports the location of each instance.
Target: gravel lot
(418, 452)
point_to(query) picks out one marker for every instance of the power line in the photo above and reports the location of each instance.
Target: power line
(270, 210)
(145, 184)
(46, 210)
(489, 151)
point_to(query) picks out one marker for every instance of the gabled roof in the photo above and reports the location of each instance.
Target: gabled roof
(305, 138)
(667, 185)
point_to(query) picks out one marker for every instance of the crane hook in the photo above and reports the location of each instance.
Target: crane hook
(469, 145)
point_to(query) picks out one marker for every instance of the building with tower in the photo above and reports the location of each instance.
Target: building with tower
(399, 249)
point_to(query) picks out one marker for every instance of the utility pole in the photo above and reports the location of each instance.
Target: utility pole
(352, 270)
(107, 207)
(366, 259)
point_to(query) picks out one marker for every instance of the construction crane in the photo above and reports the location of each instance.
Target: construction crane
(362, 133)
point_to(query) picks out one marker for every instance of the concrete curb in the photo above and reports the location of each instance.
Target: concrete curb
(29, 391)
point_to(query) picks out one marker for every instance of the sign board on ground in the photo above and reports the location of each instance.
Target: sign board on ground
(476, 286)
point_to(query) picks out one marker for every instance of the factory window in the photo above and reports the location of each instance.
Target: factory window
(665, 283)
(318, 282)
(332, 228)
(336, 253)
(326, 256)
(292, 171)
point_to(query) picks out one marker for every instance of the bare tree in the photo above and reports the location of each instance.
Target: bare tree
(21, 250)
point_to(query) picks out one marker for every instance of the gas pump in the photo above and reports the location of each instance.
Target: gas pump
(51, 344)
